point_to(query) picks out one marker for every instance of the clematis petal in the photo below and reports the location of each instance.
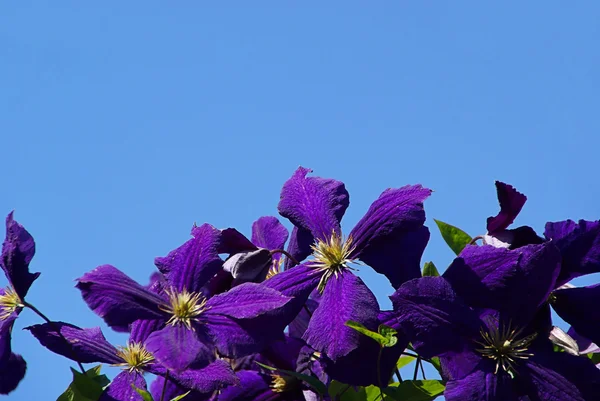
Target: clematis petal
(299, 246)
(397, 210)
(398, 256)
(300, 324)
(121, 388)
(233, 241)
(17, 251)
(433, 317)
(576, 307)
(172, 390)
(195, 262)
(488, 277)
(246, 267)
(141, 329)
(177, 347)
(313, 203)
(253, 387)
(558, 376)
(579, 245)
(511, 203)
(246, 301)
(215, 376)
(283, 354)
(345, 298)
(481, 386)
(84, 345)
(12, 371)
(6, 326)
(269, 233)
(586, 345)
(117, 299)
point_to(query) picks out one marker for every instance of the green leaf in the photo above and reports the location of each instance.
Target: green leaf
(179, 397)
(145, 395)
(381, 340)
(404, 360)
(389, 334)
(429, 270)
(415, 390)
(456, 238)
(344, 392)
(86, 387)
(310, 380)
(435, 361)
(595, 357)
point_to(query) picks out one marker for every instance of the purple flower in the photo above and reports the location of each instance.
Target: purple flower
(17, 251)
(192, 327)
(498, 234)
(390, 238)
(89, 345)
(488, 321)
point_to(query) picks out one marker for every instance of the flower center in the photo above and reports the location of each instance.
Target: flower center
(9, 303)
(275, 268)
(135, 357)
(505, 347)
(332, 255)
(184, 307)
(283, 384)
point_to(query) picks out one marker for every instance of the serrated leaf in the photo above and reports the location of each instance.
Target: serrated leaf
(381, 340)
(429, 270)
(416, 390)
(310, 380)
(86, 387)
(456, 238)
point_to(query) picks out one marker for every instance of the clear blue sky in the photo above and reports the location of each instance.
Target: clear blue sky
(122, 124)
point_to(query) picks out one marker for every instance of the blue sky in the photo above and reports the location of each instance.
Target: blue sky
(123, 124)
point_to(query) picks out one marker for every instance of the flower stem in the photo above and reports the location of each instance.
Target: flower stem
(379, 371)
(287, 255)
(164, 389)
(55, 327)
(417, 367)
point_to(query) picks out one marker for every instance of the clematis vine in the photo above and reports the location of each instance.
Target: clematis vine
(193, 329)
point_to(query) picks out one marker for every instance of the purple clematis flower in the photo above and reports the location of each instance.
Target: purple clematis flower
(89, 345)
(193, 328)
(390, 238)
(17, 251)
(498, 234)
(488, 321)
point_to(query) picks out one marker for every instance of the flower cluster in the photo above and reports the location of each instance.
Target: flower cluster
(283, 316)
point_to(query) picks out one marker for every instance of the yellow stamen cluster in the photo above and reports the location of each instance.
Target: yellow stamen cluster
(135, 357)
(331, 256)
(505, 347)
(184, 307)
(282, 384)
(9, 303)
(275, 268)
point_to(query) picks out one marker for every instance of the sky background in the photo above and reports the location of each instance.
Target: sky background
(123, 124)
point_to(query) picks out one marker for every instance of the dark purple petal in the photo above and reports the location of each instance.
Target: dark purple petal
(246, 267)
(299, 246)
(397, 210)
(586, 345)
(141, 329)
(511, 203)
(177, 347)
(300, 324)
(253, 387)
(246, 301)
(398, 256)
(481, 386)
(460, 363)
(215, 376)
(269, 233)
(359, 367)
(578, 307)
(195, 262)
(121, 389)
(558, 376)
(12, 371)
(6, 326)
(221, 282)
(283, 354)
(345, 298)
(579, 245)
(117, 299)
(84, 345)
(311, 364)
(173, 390)
(17, 251)
(233, 241)
(433, 317)
(488, 277)
(313, 203)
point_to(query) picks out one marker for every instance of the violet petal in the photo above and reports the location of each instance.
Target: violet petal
(121, 388)
(481, 386)
(177, 347)
(17, 251)
(576, 306)
(215, 376)
(269, 233)
(511, 203)
(345, 298)
(12, 371)
(299, 246)
(117, 299)
(253, 387)
(246, 301)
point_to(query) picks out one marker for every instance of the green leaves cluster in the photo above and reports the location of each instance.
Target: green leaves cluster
(86, 387)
